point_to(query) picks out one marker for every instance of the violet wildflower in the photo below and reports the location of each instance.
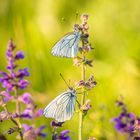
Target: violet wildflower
(4, 75)
(26, 98)
(22, 84)
(56, 124)
(126, 122)
(39, 131)
(11, 65)
(27, 113)
(12, 81)
(30, 132)
(39, 112)
(22, 115)
(6, 97)
(64, 135)
(22, 73)
(30, 113)
(10, 56)
(19, 55)
(26, 127)
(86, 106)
(89, 84)
(8, 85)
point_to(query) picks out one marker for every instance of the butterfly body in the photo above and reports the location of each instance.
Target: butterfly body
(62, 107)
(67, 46)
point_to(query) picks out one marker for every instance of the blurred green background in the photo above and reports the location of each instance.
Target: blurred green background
(36, 25)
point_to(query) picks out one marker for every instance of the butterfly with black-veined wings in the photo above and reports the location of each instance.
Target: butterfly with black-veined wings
(67, 46)
(62, 107)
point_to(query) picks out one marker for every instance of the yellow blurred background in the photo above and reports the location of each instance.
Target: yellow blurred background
(36, 25)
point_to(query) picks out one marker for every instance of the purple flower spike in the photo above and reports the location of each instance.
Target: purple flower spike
(125, 122)
(26, 98)
(23, 84)
(13, 79)
(19, 55)
(63, 135)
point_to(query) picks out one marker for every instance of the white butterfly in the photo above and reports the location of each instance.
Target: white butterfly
(67, 46)
(62, 107)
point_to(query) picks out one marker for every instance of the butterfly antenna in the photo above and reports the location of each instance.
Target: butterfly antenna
(64, 80)
(75, 27)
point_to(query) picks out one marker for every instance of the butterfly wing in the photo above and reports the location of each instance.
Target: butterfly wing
(67, 46)
(66, 110)
(62, 107)
(50, 110)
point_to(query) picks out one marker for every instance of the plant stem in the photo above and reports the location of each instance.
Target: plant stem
(17, 102)
(82, 98)
(14, 121)
(129, 136)
(18, 111)
(80, 125)
(54, 133)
